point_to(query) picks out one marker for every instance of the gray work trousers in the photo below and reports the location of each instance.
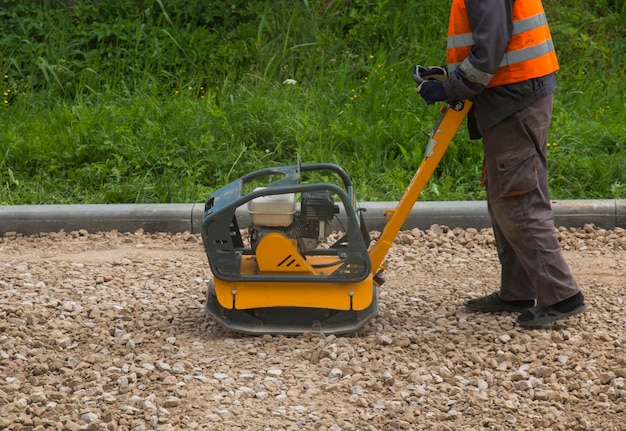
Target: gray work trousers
(516, 179)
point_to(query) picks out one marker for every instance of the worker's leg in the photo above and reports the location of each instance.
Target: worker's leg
(519, 201)
(514, 282)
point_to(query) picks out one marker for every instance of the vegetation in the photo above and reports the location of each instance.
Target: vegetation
(164, 101)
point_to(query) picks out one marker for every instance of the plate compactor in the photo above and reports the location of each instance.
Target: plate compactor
(291, 270)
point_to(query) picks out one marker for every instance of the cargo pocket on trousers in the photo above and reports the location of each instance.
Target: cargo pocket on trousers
(517, 172)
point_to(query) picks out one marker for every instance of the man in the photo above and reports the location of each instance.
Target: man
(500, 56)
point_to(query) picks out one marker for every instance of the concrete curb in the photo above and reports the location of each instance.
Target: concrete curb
(173, 218)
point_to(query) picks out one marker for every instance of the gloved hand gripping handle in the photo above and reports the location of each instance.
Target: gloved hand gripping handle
(431, 73)
(422, 74)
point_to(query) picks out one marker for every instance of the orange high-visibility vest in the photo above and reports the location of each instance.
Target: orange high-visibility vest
(530, 53)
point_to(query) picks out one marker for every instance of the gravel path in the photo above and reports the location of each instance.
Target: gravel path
(106, 332)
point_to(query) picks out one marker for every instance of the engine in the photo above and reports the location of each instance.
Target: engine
(309, 226)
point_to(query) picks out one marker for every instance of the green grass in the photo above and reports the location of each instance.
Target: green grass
(159, 101)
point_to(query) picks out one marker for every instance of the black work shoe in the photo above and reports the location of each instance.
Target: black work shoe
(540, 316)
(492, 303)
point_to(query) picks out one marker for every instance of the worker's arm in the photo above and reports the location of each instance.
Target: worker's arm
(492, 25)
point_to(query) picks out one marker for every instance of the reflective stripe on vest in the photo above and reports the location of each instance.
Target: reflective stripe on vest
(530, 52)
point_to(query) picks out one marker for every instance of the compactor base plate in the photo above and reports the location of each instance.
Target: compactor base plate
(289, 320)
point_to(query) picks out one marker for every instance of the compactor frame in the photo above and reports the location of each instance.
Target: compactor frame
(275, 287)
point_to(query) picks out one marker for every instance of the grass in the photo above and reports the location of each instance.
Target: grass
(158, 101)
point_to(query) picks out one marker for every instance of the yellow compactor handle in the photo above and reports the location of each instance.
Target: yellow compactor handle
(452, 116)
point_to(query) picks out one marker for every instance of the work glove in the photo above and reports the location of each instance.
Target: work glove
(437, 73)
(432, 91)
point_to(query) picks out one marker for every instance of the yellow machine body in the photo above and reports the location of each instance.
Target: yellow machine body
(280, 285)
(278, 254)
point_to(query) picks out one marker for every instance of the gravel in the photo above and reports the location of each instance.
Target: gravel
(106, 331)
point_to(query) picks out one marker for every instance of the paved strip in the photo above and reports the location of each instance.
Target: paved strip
(173, 218)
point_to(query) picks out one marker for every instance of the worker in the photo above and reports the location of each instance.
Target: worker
(500, 56)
